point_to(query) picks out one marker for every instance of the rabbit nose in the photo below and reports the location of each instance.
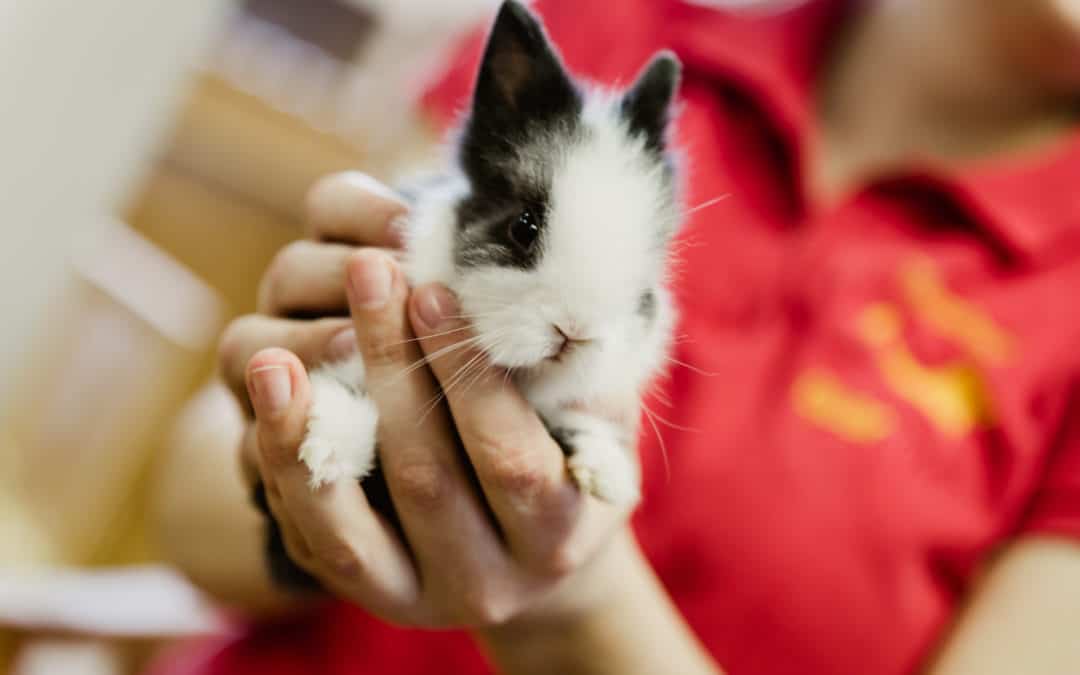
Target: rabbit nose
(569, 336)
(572, 332)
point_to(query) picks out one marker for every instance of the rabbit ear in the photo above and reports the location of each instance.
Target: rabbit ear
(647, 105)
(522, 79)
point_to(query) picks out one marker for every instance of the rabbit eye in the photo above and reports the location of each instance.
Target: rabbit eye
(524, 230)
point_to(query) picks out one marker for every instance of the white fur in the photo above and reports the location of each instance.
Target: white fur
(607, 205)
(603, 248)
(602, 463)
(340, 440)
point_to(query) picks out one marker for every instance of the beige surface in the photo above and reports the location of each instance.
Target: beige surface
(85, 88)
(103, 383)
(252, 152)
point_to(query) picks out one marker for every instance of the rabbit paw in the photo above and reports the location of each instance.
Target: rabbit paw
(599, 462)
(340, 440)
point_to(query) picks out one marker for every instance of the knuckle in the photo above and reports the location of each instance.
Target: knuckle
(274, 281)
(514, 469)
(485, 606)
(564, 558)
(309, 339)
(380, 349)
(296, 550)
(317, 201)
(278, 446)
(338, 558)
(276, 455)
(422, 484)
(232, 347)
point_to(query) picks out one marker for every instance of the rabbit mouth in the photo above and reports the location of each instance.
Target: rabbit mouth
(563, 351)
(566, 343)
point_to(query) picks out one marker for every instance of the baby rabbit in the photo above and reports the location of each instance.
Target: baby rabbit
(552, 227)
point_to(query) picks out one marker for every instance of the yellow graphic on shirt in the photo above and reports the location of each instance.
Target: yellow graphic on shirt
(824, 399)
(951, 316)
(953, 396)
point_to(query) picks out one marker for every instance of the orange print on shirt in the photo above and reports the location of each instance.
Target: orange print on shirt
(825, 400)
(953, 397)
(951, 316)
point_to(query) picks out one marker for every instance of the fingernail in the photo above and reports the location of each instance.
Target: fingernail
(342, 346)
(370, 279)
(273, 389)
(435, 306)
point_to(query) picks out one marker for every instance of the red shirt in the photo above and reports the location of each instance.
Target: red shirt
(880, 393)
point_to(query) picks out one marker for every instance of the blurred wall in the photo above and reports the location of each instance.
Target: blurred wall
(85, 88)
(155, 158)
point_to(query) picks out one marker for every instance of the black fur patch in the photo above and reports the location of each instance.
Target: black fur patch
(647, 105)
(485, 238)
(647, 305)
(524, 97)
(526, 107)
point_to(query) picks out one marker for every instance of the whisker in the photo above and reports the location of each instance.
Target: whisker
(428, 337)
(457, 377)
(709, 203)
(668, 423)
(463, 371)
(431, 406)
(475, 315)
(480, 373)
(660, 395)
(660, 441)
(428, 359)
(695, 369)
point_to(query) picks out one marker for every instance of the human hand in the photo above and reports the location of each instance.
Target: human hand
(491, 528)
(301, 306)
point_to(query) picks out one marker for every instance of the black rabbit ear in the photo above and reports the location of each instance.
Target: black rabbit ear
(521, 77)
(647, 105)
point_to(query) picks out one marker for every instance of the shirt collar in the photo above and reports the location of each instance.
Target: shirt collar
(1030, 205)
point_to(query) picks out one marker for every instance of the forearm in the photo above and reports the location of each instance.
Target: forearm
(635, 631)
(1022, 616)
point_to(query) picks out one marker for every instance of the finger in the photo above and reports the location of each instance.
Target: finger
(313, 341)
(354, 208)
(443, 517)
(521, 469)
(304, 279)
(352, 549)
(287, 555)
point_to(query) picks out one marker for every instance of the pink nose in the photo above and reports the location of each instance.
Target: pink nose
(572, 332)
(571, 337)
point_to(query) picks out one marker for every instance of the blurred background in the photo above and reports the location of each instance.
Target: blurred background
(156, 156)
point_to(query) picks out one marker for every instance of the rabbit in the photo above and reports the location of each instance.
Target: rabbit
(552, 227)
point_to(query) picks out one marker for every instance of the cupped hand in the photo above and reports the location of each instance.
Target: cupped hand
(489, 528)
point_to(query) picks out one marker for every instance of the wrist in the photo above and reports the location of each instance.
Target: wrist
(552, 632)
(595, 590)
(614, 617)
